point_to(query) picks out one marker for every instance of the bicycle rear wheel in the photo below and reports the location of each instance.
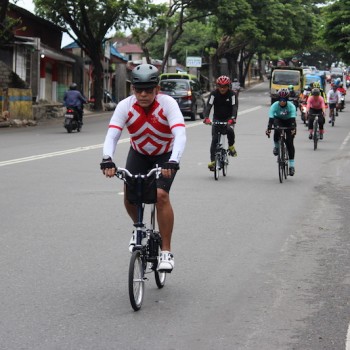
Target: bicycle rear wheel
(136, 280)
(315, 136)
(217, 166)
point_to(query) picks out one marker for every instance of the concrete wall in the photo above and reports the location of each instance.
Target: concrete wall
(17, 102)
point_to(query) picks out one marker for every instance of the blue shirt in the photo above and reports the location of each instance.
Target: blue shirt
(73, 98)
(287, 112)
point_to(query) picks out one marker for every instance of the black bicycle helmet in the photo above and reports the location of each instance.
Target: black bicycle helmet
(145, 76)
(315, 92)
(73, 86)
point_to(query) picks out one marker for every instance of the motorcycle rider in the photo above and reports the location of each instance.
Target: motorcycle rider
(73, 98)
(342, 93)
(293, 96)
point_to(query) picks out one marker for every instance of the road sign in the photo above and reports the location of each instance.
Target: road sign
(192, 61)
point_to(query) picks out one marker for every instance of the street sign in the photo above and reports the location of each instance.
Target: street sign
(192, 61)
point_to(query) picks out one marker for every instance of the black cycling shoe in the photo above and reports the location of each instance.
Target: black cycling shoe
(310, 136)
(321, 136)
(291, 171)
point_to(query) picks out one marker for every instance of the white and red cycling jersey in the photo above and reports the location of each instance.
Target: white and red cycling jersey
(333, 96)
(159, 131)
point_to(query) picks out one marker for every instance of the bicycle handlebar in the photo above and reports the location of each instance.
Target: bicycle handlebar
(121, 173)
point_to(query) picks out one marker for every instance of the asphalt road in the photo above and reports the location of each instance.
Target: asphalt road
(258, 264)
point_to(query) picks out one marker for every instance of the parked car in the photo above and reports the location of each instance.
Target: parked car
(186, 90)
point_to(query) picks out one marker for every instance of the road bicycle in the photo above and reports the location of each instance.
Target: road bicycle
(316, 130)
(282, 156)
(141, 190)
(221, 151)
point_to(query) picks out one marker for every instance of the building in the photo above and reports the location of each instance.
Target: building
(36, 58)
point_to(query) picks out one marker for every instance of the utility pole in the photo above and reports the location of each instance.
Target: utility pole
(166, 43)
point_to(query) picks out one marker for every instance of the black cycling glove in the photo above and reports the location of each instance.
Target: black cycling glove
(107, 163)
(171, 165)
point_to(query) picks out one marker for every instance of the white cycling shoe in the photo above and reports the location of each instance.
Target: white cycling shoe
(165, 261)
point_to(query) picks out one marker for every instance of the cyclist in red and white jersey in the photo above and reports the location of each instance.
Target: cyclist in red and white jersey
(157, 137)
(315, 105)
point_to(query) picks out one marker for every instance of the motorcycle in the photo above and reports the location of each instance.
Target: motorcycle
(71, 120)
(342, 102)
(303, 112)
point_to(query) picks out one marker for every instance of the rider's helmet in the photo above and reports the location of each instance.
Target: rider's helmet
(145, 76)
(340, 84)
(290, 87)
(73, 86)
(316, 84)
(334, 86)
(283, 94)
(223, 80)
(315, 92)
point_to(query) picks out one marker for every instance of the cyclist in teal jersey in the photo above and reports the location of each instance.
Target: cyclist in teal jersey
(283, 113)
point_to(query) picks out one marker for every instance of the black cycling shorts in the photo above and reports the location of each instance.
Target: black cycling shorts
(138, 163)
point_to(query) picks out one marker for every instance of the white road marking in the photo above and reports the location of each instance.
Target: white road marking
(346, 140)
(347, 344)
(88, 148)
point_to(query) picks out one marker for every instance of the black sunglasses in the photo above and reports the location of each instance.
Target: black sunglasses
(146, 90)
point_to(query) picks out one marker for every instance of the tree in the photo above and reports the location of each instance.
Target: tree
(171, 21)
(90, 21)
(7, 24)
(337, 27)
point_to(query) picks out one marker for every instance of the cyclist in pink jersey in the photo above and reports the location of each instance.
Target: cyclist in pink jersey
(316, 105)
(157, 137)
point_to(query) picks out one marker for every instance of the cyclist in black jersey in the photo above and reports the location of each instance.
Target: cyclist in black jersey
(225, 102)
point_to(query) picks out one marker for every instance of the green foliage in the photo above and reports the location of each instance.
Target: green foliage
(336, 30)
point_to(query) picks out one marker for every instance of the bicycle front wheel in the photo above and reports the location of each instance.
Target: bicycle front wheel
(280, 162)
(286, 158)
(136, 280)
(224, 163)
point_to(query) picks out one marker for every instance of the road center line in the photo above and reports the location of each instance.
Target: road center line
(346, 140)
(88, 148)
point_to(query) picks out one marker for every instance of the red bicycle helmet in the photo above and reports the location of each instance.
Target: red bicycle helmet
(283, 93)
(223, 80)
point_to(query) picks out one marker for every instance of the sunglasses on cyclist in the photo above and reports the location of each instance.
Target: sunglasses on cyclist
(283, 100)
(146, 90)
(223, 86)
